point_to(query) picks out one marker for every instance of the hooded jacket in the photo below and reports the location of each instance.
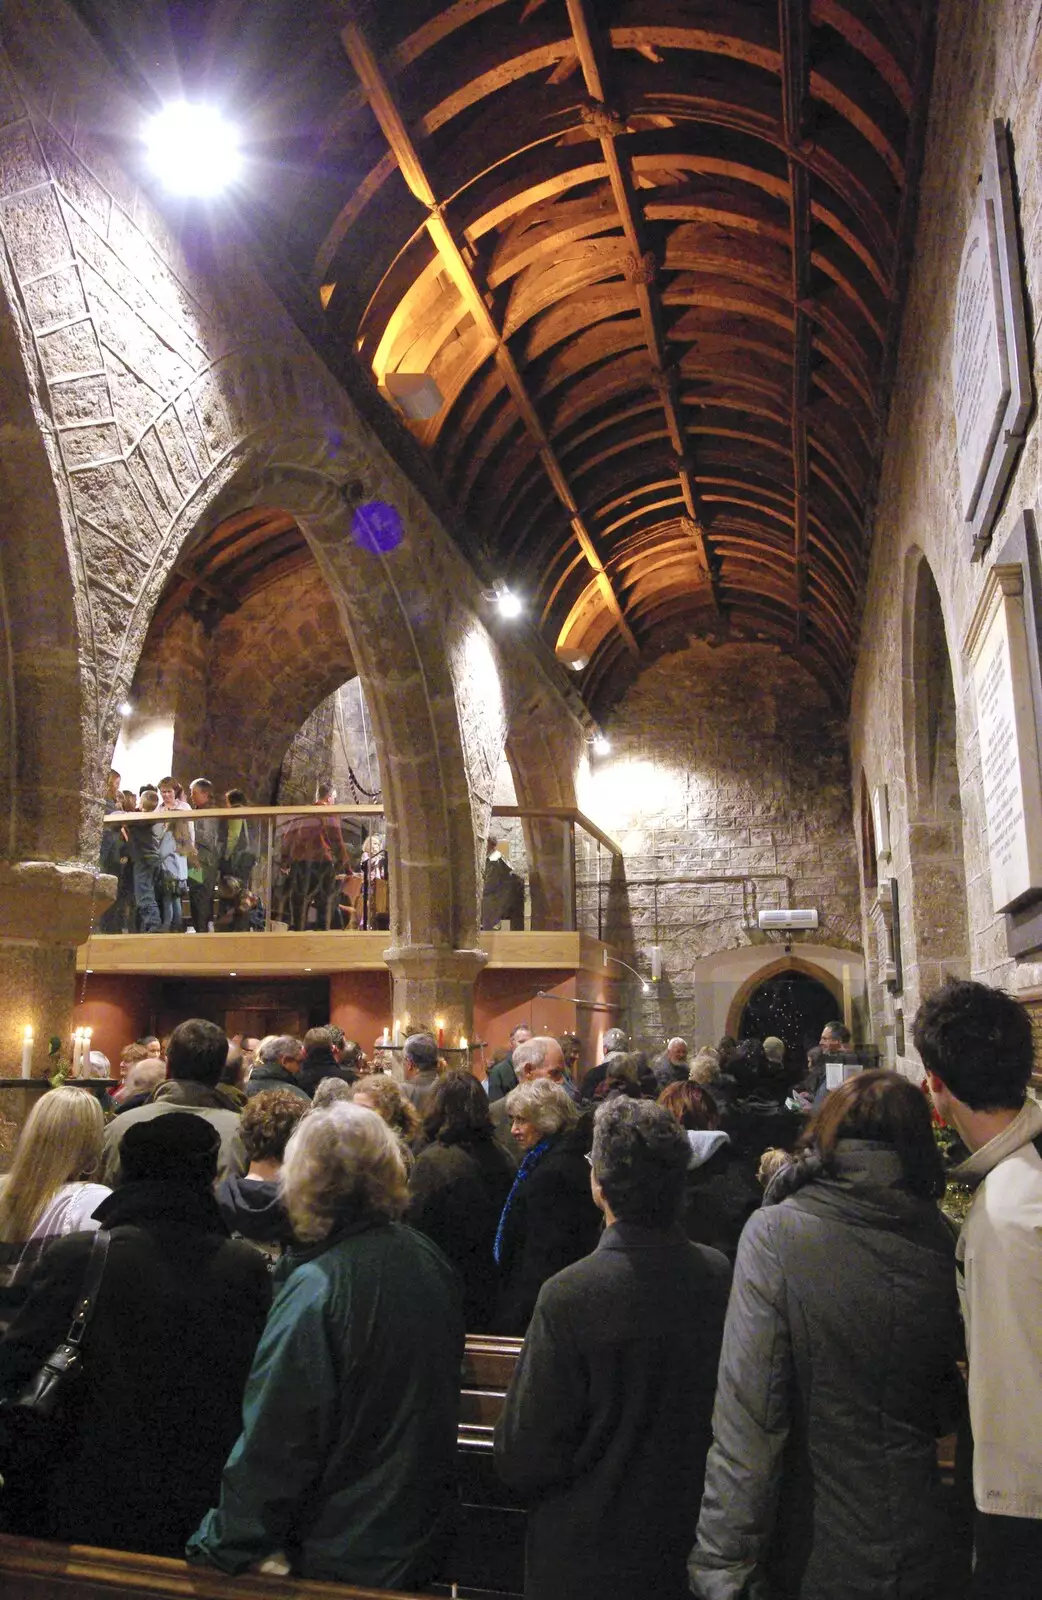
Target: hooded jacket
(837, 1376)
(1000, 1283)
(251, 1208)
(719, 1195)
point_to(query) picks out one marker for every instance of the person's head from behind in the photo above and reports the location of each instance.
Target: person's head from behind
(457, 1110)
(236, 797)
(148, 800)
(640, 1158)
(725, 1050)
(318, 1041)
(142, 1077)
(622, 1075)
(539, 1057)
(692, 1105)
(325, 794)
(748, 1065)
(342, 1167)
(975, 1043)
(267, 1122)
(384, 1096)
(196, 1052)
(615, 1040)
(881, 1108)
(773, 1161)
(705, 1068)
(836, 1036)
(177, 1148)
(60, 1143)
(350, 1054)
(774, 1050)
(539, 1108)
(328, 1090)
(419, 1054)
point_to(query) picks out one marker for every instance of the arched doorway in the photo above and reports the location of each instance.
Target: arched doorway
(791, 1005)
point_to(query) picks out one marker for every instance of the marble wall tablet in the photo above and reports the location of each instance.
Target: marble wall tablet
(980, 364)
(997, 647)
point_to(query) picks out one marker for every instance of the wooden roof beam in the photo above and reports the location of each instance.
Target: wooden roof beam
(392, 124)
(793, 31)
(608, 127)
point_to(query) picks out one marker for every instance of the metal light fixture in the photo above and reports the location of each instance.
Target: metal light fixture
(508, 604)
(192, 150)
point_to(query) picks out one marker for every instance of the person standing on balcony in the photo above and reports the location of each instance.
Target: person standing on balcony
(205, 857)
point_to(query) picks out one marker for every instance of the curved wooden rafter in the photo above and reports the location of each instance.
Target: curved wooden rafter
(648, 250)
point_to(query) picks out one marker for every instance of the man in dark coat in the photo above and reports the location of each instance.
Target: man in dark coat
(616, 1042)
(607, 1421)
(503, 1076)
(278, 1067)
(319, 1061)
(166, 1356)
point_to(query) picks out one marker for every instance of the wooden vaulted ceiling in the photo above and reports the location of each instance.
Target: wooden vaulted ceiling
(652, 253)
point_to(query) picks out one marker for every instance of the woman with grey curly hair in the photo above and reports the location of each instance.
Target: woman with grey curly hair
(345, 1468)
(549, 1219)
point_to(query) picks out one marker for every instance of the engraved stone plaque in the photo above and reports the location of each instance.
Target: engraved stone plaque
(980, 364)
(997, 647)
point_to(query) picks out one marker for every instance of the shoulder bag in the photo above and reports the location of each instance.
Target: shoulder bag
(33, 1422)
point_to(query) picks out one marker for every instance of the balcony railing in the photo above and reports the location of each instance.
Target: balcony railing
(275, 869)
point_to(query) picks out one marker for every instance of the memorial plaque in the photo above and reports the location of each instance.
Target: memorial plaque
(980, 364)
(991, 366)
(998, 650)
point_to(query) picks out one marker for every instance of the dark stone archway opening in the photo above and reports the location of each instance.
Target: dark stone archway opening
(792, 1006)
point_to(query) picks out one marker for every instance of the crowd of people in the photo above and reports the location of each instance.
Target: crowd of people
(199, 874)
(739, 1300)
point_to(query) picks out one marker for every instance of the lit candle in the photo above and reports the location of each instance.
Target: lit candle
(387, 1035)
(27, 1053)
(439, 1023)
(462, 1043)
(397, 1031)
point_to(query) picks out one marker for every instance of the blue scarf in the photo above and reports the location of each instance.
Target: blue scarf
(531, 1161)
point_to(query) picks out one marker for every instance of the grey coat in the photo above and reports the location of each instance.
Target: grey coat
(837, 1376)
(606, 1425)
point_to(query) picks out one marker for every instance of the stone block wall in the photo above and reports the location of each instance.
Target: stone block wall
(989, 64)
(728, 790)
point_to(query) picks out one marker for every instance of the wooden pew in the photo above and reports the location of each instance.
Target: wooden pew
(487, 1559)
(32, 1570)
(489, 1556)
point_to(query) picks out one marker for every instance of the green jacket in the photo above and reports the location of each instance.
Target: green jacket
(347, 1457)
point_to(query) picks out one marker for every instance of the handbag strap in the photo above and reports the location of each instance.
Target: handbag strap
(91, 1284)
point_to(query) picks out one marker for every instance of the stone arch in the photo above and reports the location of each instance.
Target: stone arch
(935, 880)
(773, 969)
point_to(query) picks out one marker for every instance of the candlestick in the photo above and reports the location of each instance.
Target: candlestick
(27, 1053)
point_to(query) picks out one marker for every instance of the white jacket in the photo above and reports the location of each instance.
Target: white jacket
(1000, 1284)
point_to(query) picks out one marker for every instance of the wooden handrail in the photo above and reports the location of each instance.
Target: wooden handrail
(223, 813)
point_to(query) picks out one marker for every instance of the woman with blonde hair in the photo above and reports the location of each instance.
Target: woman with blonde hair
(385, 1097)
(346, 1465)
(48, 1192)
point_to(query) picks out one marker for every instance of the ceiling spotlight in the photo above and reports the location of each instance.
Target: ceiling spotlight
(125, 708)
(192, 150)
(504, 599)
(601, 746)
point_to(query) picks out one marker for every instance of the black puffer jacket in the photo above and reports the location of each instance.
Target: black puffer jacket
(552, 1221)
(837, 1375)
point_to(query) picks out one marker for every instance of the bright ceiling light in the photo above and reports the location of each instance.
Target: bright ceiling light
(601, 746)
(192, 149)
(125, 708)
(507, 601)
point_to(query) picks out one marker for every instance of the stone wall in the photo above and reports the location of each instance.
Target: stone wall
(989, 64)
(728, 790)
(308, 761)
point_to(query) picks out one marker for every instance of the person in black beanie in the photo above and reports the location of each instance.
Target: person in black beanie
(177, 1318)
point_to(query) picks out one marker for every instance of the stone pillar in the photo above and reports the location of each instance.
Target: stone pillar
(432, 983)
(47, 909)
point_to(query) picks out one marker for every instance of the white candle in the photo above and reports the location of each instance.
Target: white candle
(397, 1031)
(85, 1052)
(27, 1053)
(387, 1035)
(462, 1043)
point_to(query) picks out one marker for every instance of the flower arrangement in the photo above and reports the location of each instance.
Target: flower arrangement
(60, 1066)
(957, 1197)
